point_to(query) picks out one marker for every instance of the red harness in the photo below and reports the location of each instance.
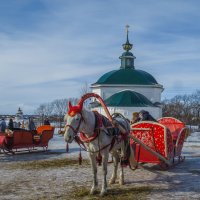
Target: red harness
(82, 138)
(99, 124)
(85, 139)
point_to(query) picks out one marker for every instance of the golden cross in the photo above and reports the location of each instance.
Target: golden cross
(127, 26)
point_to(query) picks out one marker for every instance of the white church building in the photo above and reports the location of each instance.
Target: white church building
(127, 89)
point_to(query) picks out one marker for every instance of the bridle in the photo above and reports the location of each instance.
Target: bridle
(77, 128)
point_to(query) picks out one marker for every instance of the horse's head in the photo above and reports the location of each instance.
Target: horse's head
(74, 119)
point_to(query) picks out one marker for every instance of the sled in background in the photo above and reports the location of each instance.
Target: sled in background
(26, 140)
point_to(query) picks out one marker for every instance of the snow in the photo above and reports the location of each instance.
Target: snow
(179, 182)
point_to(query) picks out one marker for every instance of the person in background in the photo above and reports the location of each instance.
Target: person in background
(46, 121)
(31, 124)
(23, 126)
(135, 118)
(26, 125)
(10, 124)
(15, 124)
(19, 124)
(145, 116)
(3, 125)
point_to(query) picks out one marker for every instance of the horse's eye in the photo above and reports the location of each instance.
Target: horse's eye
(77, 119)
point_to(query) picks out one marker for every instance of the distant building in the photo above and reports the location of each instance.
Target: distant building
(127, 89)
(19, 115)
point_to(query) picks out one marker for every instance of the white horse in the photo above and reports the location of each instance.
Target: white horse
(84, 121)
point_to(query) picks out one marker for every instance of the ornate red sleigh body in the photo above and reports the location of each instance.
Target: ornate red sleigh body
(178, 130)
(164, 141)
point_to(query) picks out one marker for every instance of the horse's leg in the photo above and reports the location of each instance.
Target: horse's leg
(104, 168)
(115, 162)
(94, 169)
(121, 175)
(123, 153)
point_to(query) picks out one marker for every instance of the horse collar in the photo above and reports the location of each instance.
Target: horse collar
(98, 120)
(98, 125)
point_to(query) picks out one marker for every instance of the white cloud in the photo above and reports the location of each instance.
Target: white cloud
(55, 48)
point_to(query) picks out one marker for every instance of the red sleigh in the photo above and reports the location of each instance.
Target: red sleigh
(26, 140)
(160, 142)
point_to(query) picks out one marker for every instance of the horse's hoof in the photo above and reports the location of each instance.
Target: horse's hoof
(121, 182)
(103, 193)
(93, 190)
(112, 181)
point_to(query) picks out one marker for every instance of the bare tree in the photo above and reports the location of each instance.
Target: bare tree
(41, 111)
(195, 99)
(83, 90)
(60, 107)
(48, 109)
(44, 110)
(184, 107)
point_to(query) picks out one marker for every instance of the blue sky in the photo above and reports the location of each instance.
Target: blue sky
(50, 48)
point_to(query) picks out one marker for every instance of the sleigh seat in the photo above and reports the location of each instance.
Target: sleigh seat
(155, 136)
(178, 131)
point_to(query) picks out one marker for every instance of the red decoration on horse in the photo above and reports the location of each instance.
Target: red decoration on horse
(73, 110)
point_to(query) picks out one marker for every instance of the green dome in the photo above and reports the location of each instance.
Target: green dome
(128, 98)
(127, 76)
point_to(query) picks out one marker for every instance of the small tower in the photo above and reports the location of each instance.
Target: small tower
(19, 114)
(127, 58)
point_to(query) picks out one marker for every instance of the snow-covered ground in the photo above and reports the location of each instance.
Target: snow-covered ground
(180, 182)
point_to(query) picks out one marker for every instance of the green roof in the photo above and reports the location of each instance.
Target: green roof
(127, 76)
(128, 98)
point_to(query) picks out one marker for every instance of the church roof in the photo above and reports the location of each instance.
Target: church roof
(128, 98)
(127, 76)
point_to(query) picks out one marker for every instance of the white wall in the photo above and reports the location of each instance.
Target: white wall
(153, 93)
(156, 112)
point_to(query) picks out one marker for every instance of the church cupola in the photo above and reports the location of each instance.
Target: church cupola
(127, 58)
